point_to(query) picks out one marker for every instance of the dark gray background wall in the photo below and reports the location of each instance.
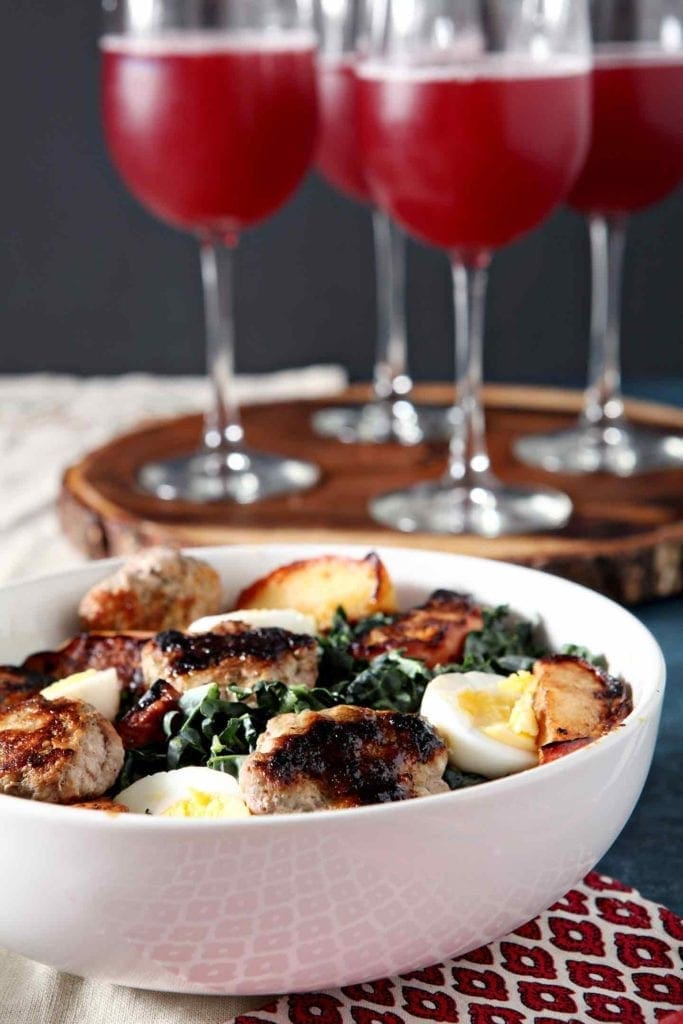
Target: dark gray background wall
(92, 284)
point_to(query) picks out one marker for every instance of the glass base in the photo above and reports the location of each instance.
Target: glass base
(490, 510)
(384, 422)
(621, 450)
(242, 476)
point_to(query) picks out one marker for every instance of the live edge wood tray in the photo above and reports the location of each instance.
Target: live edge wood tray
(625, 537)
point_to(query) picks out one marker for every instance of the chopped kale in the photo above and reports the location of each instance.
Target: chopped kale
(459, 780)
(228, 763)
(203, 715)
(138, 763)
(503, 645)
(577, 651)
(390, 682)
(336, 663)
(277, 699)
(207, 729)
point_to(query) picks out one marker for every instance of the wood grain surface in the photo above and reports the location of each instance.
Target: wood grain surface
(624, 539)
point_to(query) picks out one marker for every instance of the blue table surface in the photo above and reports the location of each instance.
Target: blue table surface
(649, 852)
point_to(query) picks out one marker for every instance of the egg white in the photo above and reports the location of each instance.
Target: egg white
(470, 749)
(156, 793)
(260, 618)
(101, 689)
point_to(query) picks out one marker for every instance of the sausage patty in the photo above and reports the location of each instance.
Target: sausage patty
(232, 655)
(156, 589)
(342, 757)
(57, 750)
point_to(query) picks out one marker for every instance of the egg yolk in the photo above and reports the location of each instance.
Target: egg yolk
(507, 713)
(207, 805)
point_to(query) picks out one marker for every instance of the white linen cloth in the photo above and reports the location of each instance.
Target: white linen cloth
(48, 421)
(33, 994)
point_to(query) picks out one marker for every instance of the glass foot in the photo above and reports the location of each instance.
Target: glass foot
(621, 450)
(242, 476)
(383, 422)
(491, 510)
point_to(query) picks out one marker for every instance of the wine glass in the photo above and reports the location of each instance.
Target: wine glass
(210, 115)
(475, 122)
(391, 415)
(635, 159)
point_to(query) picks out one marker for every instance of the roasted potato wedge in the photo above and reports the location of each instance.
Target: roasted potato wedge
(575, 703)
(318, 586)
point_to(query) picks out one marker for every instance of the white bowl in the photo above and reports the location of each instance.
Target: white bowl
(308, 901)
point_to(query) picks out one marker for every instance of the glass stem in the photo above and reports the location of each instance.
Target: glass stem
(391, 380)
(603, 402)
(469, 461)
(222, 426)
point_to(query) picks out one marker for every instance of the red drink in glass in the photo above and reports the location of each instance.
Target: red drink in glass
(339, 156)
(636, 153)
(469, 158)
(210, 131)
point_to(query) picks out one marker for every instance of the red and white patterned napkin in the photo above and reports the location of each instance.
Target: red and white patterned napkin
(601, 953)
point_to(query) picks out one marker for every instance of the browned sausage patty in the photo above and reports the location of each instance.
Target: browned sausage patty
(156, 589)
(342, 757)
(57, 750)
(235, 656)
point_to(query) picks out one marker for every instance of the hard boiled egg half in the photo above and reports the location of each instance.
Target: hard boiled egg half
(486, 721)
(101, 689)
(260, 618)
(192, 792)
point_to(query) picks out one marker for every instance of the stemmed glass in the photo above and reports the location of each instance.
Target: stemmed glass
(391, 415)
(635, 159)
(210, 116)
(475, 122)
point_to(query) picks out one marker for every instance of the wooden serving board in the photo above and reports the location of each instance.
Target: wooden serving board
(624, 539)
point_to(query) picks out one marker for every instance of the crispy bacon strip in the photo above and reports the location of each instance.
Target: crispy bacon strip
(102, 804)
(17, 684)
(434, 632)
(93, 650)
(575, 703)
(142, 726)
(553, 751)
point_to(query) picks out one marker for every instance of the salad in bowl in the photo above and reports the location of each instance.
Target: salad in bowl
(287, 767)
(314, 693)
